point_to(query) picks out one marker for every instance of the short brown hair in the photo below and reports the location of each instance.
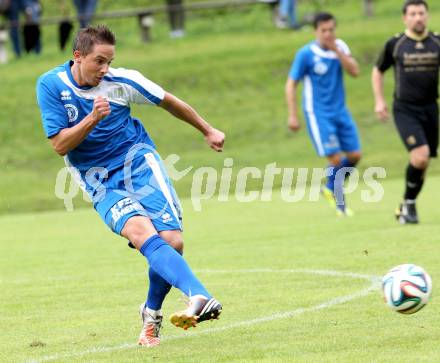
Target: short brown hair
(322, 18)
(88, 37)
(414, 2)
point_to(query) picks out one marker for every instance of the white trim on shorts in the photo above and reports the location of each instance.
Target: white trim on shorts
(157, 172)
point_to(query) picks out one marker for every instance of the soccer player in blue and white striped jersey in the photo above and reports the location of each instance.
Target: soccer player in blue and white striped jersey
(320, 65)
(85, 109)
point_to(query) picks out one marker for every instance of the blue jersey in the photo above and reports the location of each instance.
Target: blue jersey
(322, 74)
(64, 104)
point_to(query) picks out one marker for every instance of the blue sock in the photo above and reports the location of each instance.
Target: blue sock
(345, 163)
(337, 186)
(171, 266)
(157, 290)
(331, 177)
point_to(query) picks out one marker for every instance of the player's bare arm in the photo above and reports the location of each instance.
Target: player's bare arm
(381, 109)
(180, 109)
(69, 138)
(291, 91)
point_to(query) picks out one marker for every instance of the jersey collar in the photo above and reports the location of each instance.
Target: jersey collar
(410, 34)
(323, 53)
(68, 67)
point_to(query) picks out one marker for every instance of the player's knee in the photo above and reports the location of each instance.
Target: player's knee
(137, 234)
(420, 158)
(355, 157)
(335, 159)
(420, 162)
(175, 240)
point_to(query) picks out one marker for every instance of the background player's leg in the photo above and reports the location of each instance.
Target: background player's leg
(411, 122)
(335, 182)
(348, 136)
(334, 164)
(415, 172)
(414, 179)
(419, 156)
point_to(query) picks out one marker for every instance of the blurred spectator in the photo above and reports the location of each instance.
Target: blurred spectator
(176, 15)
(13, 13)
(3, 40)
(64, 30)
(64, 27)
(31, 29)
(85, 10)
(4, 6)
(287, 12)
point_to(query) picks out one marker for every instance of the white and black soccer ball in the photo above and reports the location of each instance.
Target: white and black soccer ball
(407, 288)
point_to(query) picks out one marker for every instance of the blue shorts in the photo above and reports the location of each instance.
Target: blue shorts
(332, 133)
(140, 188)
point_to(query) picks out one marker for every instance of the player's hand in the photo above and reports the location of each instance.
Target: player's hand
(101, 108)
(381, 110)
(215, 139)
(330, 44)
(293, 124)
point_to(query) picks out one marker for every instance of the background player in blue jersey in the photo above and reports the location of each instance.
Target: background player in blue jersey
(320, 65)
(85, 108)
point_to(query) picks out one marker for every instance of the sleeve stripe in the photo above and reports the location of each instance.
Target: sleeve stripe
(149, 96)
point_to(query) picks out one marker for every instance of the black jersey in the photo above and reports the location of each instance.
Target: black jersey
(416, 66)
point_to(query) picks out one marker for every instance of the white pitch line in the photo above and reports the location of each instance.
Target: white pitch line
(374, 284)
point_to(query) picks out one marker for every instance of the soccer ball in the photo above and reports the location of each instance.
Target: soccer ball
(407, 288)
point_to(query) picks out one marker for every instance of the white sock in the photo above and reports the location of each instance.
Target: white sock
(154, 313)
(199, 297)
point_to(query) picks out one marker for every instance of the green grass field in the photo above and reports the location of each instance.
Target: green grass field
(68, 296)
(297, 283)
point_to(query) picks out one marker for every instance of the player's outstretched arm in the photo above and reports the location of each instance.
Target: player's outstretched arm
(380, 107)
(180, 109)
(292, 107)
(69, 138)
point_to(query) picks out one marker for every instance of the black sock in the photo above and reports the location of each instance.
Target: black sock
(414, 181)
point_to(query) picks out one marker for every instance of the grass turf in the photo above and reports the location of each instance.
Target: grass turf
(72, 296)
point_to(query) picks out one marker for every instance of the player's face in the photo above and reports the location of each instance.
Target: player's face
(94, 65)
(415, 18)
(326, 32)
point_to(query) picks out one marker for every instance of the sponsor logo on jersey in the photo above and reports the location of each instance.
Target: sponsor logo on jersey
(66, 95)
(123, 207)
(72, 112)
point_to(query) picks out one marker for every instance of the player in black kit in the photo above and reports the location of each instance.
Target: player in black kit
(415, 55)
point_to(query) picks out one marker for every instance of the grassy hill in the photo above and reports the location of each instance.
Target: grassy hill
(232, 67)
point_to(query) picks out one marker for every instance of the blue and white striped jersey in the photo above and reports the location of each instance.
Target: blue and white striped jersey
(322, 74)
(63, 104)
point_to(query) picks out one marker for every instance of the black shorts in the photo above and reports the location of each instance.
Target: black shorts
(417, 125)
